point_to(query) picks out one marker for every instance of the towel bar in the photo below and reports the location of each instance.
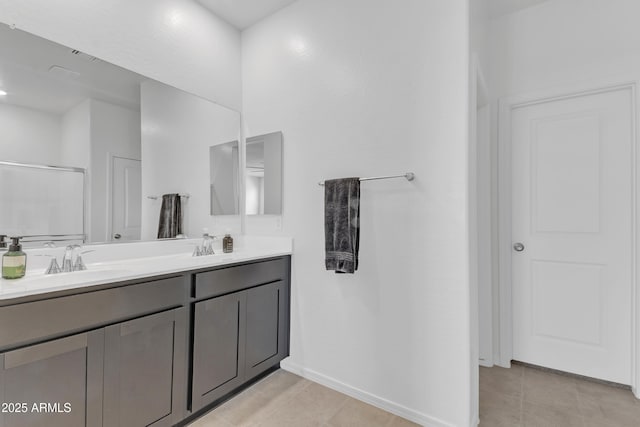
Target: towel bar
(187, 195)
(410, 176)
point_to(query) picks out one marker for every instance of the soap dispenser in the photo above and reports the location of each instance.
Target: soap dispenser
(227, 243)
(14, 261)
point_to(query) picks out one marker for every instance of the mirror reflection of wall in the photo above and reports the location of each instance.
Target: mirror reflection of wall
(224, 163)
(178, 130)
(65, 109)
(255, 178)
(264, 174)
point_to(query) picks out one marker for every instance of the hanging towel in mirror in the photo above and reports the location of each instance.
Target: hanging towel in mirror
(342, 224)
(170, 224)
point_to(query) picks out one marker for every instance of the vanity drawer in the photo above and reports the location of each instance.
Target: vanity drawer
(33, 321)
(231, 279)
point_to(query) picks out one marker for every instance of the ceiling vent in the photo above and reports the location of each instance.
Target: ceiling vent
(83, 55)
(63, 72)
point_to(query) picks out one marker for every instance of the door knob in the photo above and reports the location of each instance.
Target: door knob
(117, 236)
(518, 247)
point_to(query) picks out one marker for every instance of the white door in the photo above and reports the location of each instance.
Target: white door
(126, 199)
(572, 212)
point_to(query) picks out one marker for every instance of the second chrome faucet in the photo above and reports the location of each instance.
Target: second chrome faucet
(207, 246)
(71, 261)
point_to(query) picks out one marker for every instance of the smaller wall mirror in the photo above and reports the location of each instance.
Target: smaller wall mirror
(224, 161)
(264, 174)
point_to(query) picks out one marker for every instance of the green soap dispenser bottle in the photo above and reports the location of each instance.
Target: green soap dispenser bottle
(14, 261)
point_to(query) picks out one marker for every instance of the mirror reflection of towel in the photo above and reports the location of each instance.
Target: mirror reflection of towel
(170, 224)
(342, 224)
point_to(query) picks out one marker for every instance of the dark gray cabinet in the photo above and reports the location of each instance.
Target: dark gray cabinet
(53, 384)
(128, 370)
(218, 347)
(147, 352)
(143, 359)
(238, 335)
(267, 339)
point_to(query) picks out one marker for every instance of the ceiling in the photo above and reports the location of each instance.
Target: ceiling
(505, 7)
(244, 13)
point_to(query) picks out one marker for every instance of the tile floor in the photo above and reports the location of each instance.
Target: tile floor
(286, 400)
(529, 397)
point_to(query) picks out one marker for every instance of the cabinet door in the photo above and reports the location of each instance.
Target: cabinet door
(267, 327)
(144, 370)
(218, 347)
(54, 384)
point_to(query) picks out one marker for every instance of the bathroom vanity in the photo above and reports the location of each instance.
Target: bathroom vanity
(151, 350)
(148, 335)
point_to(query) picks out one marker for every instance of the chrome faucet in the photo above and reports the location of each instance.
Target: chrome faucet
(3, 244)
(207, 246)
(78, 264)
(71, 261)
(67, 259)
(53, 268)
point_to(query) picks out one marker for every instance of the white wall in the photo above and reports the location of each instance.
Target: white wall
(479, 31)
(29, 136)
(177, 42)
(583, 42)
(177, 130)
(115, 131)
(371, 88)
(76, 136)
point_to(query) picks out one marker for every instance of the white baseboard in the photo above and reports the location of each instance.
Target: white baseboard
(379, 402)
(486, 363)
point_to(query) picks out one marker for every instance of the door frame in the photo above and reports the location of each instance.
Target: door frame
(506, 106)
(479, 108)
(478, 99)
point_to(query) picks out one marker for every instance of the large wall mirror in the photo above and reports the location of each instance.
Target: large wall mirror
(89, 149)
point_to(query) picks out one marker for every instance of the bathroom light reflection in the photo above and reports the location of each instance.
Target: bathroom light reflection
(175, 17)
(299, 46)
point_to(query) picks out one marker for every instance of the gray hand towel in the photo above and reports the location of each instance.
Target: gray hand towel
(170, 224)
(342, 224)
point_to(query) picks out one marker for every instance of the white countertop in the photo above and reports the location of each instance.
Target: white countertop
(119, 262)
